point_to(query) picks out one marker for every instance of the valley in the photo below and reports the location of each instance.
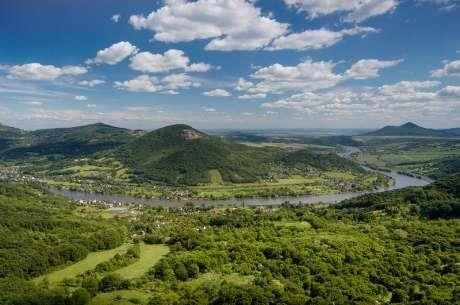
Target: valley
(177, 216)
(178, 162)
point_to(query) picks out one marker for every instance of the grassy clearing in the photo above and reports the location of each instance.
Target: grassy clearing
(150, 255)
(89, 263)
(295, 185)
(121, 297)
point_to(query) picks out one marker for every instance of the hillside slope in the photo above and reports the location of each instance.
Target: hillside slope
(74, 141)
(182, 155)
(8, 136)
(440, 199)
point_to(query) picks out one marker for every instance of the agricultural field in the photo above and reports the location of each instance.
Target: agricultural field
(149, 256)
(296, 185)
(87, 264)
(432, 157)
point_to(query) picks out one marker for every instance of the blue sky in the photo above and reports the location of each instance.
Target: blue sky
(230, 63)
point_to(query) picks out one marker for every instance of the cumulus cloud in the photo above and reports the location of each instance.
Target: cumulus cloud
(167, 85)
(142, 83)
(217, 93)
(243, 85)
(198, 67)
(179, 81)
(91, 83)
(307, 75)
(450, 91)
(230, 24)
(451, 68)
(114, 54)
(115, 18)
(369, 68)
(316, 39)
(394, 99)
(37, 71)
(170, 60)
(80, 98)
(356, 10)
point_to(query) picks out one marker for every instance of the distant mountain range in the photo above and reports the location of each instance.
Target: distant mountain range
(411, 129)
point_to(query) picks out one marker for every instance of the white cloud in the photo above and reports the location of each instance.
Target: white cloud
(307, 75)
(252, 96)
(450, 69)
(369, 68)
(80, 98)
(198, 67)
(208, 109)
(217, 92)
(115, 18)
(393, 100)
(170, 60)
(230, 24)
(114, 54)
(356, 10)
(168, 84)
(91, 83)
(91, 105)
(450, 91)
(243, 85)
(142, 83)
(315, 39)
(179, 81)
(36, 71)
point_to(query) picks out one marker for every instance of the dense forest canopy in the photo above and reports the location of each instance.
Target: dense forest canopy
(398, 247)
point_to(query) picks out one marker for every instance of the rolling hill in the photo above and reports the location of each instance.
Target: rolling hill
(174, 155)
(74, 141)
(182, 155)
(440, 199)
(8, 136)
(411, 129)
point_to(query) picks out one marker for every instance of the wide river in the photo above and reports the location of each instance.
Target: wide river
(401, 181)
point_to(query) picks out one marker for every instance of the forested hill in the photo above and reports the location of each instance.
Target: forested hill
(411, 129)
(440, 199)
(182, 155)
(74, 141)
(40, 231)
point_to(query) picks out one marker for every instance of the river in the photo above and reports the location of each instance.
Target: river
(401, 181)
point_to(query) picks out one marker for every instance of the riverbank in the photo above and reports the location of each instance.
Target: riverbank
(400, 181)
